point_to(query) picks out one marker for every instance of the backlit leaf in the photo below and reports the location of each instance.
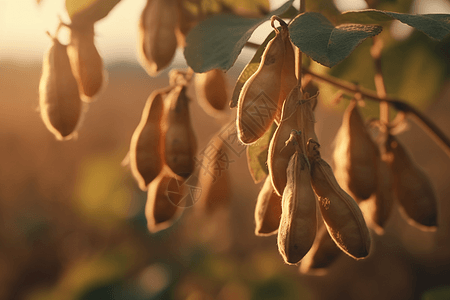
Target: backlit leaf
(325, 43)
(216, 42)
(89, 10)
(436, 26)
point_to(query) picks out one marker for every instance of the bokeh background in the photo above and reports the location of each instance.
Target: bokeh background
(72, 223)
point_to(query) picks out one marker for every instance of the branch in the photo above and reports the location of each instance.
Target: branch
(427, 125)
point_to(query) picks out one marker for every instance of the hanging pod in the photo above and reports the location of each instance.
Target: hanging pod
(157, 41)
(267, 210)
(258, 99)
(356, 155)
(322, 254)
(214, 178)
(211, 90)
(380, 205)
(86, 62)
(288, 78)
(298, 222)
(341, 214)
(147, 142)
(59, 98)
(180, 141)
(412, 187)
(279, 152)
(163, 195)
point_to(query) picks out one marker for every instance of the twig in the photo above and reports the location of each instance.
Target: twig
(427, 125)
(298, 53)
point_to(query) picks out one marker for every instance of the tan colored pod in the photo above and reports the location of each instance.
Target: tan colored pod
(186, 21)
(280, 152)
(384, 196)
(322, 254)
(160, 208)
(341, 214)
(258, 100)
(214, 178)
(356, 155)
(268, 210)
(86, 62)
(147, 142)
(298, 224)
(306, 119)
(157, 41)
(412, 188)
(211, 90)
(59, 98)
(288, 78)
(180, 141)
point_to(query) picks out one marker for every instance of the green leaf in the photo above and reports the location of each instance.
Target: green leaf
(249, 70)
(436, 26)
(216, 42)
(325, 43)
(82, 11)
(257, 155)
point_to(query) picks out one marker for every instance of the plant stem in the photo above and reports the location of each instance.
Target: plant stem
(375, 51)
(298, 53)
(427, 125)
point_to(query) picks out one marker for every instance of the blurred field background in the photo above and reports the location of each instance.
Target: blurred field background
(72, 223)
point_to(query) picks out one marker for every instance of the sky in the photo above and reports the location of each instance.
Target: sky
(23, 24)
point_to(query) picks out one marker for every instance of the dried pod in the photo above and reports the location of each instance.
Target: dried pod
(268, 210)
(356, 155)
(211, 88)
(383, 200)
(341, 214)
(147, 142)
(322, 254)
(162, 196)
(59, 98)
(298, 222)
(258, 100)
(288, 78)
(412, 187)
(86, 62)
(157, 41)
(180, 141)
(279, 152)
(306, 119)
(214, 178)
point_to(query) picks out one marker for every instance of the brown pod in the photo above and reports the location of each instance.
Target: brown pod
(341, 214)
(59, 98)
(322, 254)
(147, 142)
(162, 198)
(211, 89)
(258, 100)
(214, 178)
(412, 188)
(86, 62)
(268, 210)
(180, 141)
(186, 21)
(157, 41)
(356, 155)
(288, 78)
(306, 119)
(280, 152)
(298, 222)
